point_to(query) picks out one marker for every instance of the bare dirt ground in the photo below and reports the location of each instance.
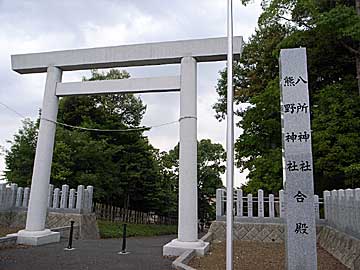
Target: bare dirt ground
(254, 256)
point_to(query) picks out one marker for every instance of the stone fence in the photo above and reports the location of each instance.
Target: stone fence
(78, 200)
(342, 210)
(339, 209)
(248, 207)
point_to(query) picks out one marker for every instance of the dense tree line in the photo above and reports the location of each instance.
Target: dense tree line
(330, 31)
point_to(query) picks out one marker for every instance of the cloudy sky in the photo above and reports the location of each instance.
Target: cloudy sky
(28, 26)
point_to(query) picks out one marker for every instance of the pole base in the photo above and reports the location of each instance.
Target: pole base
(123, 252)
(69, 249)
(37, 238)
(176, 247)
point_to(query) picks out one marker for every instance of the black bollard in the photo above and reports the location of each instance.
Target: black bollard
(123, 250)
(69, 247)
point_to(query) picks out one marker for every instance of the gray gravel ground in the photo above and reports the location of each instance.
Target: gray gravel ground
(145, 254)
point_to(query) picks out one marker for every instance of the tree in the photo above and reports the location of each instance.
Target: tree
(328, 30)
(120, 165)
(210, 159)
(168, 184)
(340, 18)
(258, 149)
(20, 158)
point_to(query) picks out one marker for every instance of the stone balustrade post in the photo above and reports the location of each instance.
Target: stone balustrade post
(14, 188)
(80, 197)
(239, 203)
(26, 197)
(64, 196)
(50, 195)
(250, 205)
(271, 206)
(2, 195)
(86, 200)
(326, 195)
(72, 198)
(282, 203)
(341, 200)
(260, 203)
(56, 198)
(90, 190)
(219, 202)
(19, 197)
(357, 207)
(316, 207)
(350, 209)
(334, 208)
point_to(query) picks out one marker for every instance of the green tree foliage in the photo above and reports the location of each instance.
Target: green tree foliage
(168, 182)
(210, 159)
(120, 165)
(19, 158)
(336, 140)
(330, 32)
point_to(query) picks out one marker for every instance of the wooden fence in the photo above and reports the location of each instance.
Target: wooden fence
(118, 214)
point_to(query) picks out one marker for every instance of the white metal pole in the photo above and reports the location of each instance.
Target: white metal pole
(229, 142)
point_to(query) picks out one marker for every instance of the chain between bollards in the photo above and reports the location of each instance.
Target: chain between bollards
(69, 247)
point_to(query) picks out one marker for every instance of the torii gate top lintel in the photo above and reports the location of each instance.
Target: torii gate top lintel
(170, 52)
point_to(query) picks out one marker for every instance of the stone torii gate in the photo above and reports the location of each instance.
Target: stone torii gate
(187, 53)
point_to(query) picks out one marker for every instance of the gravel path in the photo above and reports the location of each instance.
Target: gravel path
(145, 254)
(256, 256)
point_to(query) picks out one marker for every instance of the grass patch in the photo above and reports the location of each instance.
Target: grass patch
(7, 230)
(114, 229)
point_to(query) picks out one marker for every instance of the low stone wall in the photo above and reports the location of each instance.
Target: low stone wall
(65, 232)
(7, 241)
(13, 219)
(262, 232)
(342, 246)
(86, 222)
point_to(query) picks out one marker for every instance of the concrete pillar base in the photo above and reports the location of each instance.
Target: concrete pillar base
(37, 238)
(176, 247)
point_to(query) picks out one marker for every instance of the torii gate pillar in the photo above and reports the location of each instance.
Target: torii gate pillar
(35, 232)
(188, 199)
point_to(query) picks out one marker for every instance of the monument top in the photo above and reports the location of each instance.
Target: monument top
(204, 50)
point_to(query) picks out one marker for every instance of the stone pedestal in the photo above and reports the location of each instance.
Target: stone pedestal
(176, 247)
(36, 238)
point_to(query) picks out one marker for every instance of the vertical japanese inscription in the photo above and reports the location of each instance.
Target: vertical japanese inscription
(297, 161)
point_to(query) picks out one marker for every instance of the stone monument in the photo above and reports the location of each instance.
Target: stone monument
(297, 161)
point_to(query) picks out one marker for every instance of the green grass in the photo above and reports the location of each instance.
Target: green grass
(6, 230)
(114, 229)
